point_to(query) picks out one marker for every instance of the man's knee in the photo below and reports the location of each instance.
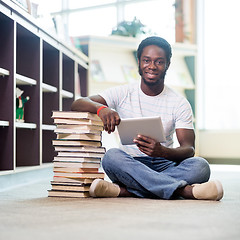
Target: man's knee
(200, 169)
(203, 169)
(111, 157)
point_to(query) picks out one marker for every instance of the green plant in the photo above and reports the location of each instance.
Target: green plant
(130, 28)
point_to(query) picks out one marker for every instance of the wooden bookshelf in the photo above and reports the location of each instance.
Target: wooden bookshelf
(49, 72)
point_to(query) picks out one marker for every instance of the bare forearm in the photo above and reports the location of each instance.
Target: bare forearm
(177, 154)
(85, 104)
(155, 149)
(93, 104)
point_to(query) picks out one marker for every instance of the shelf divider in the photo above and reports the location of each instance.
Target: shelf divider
(4, 123)
(66, 94)
(26, 125)
(22, 80)
(48, 88)
(48, 127)
(4, 72)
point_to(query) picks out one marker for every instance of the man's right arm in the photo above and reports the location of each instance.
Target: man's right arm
(88, 104)
(91, 104)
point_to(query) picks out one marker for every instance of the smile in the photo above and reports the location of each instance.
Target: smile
(151, 74)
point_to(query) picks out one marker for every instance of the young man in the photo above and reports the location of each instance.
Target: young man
(150, 169)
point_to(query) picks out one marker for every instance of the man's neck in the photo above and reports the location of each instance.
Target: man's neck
(152, 90)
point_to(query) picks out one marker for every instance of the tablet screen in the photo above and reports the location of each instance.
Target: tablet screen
(129, 128)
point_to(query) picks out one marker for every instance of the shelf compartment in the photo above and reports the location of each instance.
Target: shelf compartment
(67, 73)
(7, 39)
(22, 80)
(50, 102)
(27, 147)
(4, 72)
(51, 64)
(48, 88)
(27, 53)
(51, 79)
(48, 152)
(6, 149)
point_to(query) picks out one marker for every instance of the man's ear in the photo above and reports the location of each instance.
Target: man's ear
(168, 64)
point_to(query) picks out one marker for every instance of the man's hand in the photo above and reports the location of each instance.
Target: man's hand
(153, 148)
(110, 119)
(149, 146)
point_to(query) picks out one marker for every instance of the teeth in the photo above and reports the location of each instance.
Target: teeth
(150, 74)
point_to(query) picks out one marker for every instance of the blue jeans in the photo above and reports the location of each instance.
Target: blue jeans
(149, 177)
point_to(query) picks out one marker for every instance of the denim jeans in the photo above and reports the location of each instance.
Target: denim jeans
(149, 177)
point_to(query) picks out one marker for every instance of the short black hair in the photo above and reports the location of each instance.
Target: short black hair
(158, 41)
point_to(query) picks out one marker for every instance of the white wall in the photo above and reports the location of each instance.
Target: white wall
(222, 144)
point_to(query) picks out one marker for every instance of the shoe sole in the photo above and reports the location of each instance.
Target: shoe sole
(219, 189)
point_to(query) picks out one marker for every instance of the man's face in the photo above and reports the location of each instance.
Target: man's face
(153, 65)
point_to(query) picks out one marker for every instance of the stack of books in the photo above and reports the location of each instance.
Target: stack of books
(79, 151)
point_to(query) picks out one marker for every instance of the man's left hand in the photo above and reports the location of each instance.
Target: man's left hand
(149, 146)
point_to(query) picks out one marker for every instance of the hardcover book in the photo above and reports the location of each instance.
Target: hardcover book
(79, 136)
(59, 142)
(69, 194)
(71, 121)
(75, 115)
(77, 159)
(80, 149)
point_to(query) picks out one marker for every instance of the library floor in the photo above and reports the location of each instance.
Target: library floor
(27, 213)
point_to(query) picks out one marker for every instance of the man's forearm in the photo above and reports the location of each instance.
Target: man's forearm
(85, 105)
(177, 154)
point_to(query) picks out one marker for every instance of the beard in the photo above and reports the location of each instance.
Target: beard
(159, 80)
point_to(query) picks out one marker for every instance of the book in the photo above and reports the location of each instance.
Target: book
(72, 180)
(70, 121)
(74, 169)
(76, 143)
(80, 149)
(73, 194)
(70, 186)
(76, 183)
(79, 136)
(75, 115)
(73, 131)
(80, 154)
(79, 127)
(68, 164)
(79, 174)
(77, 159)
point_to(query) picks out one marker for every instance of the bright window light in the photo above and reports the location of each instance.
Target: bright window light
(221, 65)
(159, 16)
(92, 22)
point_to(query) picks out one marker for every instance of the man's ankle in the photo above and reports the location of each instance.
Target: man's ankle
(125, 193)
(185, 192)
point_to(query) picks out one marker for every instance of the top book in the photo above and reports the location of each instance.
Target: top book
(75, 115)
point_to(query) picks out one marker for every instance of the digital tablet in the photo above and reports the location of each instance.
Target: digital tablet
(129, 128)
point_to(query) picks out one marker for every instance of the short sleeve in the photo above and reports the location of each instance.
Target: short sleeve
(184, 115)
(113, 96)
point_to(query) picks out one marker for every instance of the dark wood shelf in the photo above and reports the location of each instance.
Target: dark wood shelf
(46, 70)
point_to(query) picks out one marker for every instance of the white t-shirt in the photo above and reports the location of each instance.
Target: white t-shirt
(130, 102)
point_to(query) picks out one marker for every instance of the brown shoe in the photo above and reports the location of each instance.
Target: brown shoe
(211, 190)
(102, 188)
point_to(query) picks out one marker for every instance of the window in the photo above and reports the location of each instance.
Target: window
(220, 82)
(158, 16)
(92, 22)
